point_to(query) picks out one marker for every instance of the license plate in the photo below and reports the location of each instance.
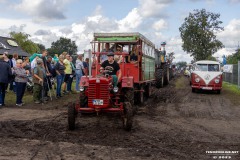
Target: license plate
(97, 102)
(207, 88)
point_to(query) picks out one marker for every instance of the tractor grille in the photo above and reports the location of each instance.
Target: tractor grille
(98, 91)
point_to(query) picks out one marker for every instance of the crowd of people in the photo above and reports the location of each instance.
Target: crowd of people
(44, 70)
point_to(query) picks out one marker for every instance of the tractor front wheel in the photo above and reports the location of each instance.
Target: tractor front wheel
(71, 116)
(166, 75)
(129, 95)
(127, 116)
(83, 99)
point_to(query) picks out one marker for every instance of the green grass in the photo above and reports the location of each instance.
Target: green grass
(10, 97)
(231, 88)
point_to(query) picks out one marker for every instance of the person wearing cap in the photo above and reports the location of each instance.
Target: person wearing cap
(113, 67)
(5, 73)
(39, 74)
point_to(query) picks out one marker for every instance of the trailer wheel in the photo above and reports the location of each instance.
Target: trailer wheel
(147, 91)
(83, 99)
(159, 78)
(218, 91)
(71, 116)
(127, 116)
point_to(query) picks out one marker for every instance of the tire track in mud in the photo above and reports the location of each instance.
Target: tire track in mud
(215, 108)
(180, 113)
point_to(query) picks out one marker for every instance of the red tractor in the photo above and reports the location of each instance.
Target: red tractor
(97, 94)
(136, 59)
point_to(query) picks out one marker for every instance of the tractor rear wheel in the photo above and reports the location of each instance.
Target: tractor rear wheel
(159, 78)
(83, 99)
(166, 75)
(71, 116)
(127, 116)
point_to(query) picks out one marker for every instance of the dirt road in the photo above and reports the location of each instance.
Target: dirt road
(173, 124)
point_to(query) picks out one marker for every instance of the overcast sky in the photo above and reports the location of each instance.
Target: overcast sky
(158, 20)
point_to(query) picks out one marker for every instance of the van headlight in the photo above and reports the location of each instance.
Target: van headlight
(216, 80)
(81, 88)
(115, 89)
(197, 80)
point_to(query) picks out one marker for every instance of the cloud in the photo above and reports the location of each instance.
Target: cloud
(43, 10)
(41, 32)
(174, 44)
(159, 25)
(234, 1)
(230, 35)
(153, 8)
(3, 1)
(131, 21)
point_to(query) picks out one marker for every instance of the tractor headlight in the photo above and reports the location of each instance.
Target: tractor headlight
(81, 88)
(115, 89)
(197, 80)
(216, 80)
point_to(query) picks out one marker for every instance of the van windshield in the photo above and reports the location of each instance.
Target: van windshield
(207, 67)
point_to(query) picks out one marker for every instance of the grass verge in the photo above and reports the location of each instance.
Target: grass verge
(231, 88)
(180, 82)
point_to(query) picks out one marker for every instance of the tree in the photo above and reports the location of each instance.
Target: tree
(63, 45)
(23, 41)
(41, 46)
(181, 64)
(198, 34)
(234, 58)
(170, 57)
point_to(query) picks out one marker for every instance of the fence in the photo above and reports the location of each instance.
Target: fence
(233, 77)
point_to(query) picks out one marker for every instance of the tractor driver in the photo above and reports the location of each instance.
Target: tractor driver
(113, 67)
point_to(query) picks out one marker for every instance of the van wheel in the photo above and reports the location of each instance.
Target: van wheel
(193, 90)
